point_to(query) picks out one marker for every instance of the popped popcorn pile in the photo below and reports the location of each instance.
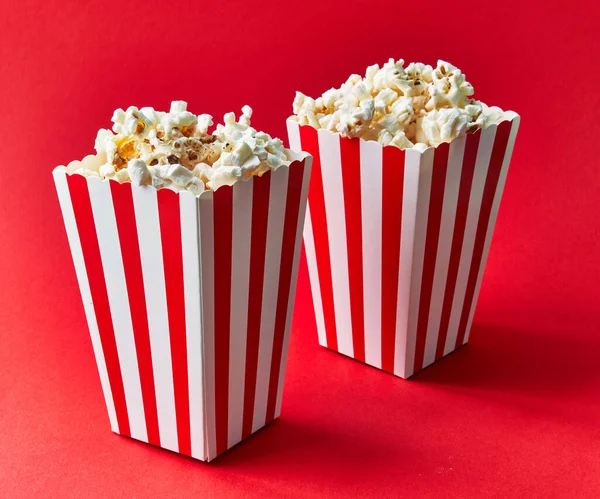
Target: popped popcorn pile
(417, 106)
(176, 151)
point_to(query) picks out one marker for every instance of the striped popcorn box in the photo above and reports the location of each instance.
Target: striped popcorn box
(188, 301)
(396, 241)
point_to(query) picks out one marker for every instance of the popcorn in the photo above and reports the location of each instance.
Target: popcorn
(441, 126)
(122, 176)
(104, 136)
(174, 150)
(138, 172)
(417, 106)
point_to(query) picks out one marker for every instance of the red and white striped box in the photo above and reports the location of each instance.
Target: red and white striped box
(188, 301)
(396, 241)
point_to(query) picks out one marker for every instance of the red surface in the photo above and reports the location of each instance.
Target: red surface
(514, 414)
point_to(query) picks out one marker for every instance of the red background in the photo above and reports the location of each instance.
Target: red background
(515, 413)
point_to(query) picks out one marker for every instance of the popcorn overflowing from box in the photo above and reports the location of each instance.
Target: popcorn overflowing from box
(175, 150)
(189, 328)
(407, 178)
(416, 107)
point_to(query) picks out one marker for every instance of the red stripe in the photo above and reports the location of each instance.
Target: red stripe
(223, 222)
(130, 252)
(434, 219)
(350, 154)
(258, 242)
(460, 221)
(392, 194)
(170, 234)
(288, 244)
(489, 192)
(84, 218)
(310, 143)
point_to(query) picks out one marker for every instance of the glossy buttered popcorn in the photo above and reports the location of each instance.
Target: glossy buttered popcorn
(176, 151)
(417, 106)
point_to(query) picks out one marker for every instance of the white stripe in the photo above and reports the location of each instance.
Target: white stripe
(486, 142)
(62, 189)
(412, 163)
(293, 130)
(294, 281)
(493, 216)
(116, 287)
(333, 191)
(240, 277)
(421, 219)
(148, 229)
(313, 274)
(371, 172)
(278, 193)
(188, 212)
(442, 259)
(207, 263)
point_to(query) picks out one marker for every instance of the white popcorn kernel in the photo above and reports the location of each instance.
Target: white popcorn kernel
(303, 102)
(252, 164)
(160, 170)
(400, 140)
(107, 170)
(360, 92)
(225, 175)
(205, 121)
(196, 187)
(330, 97)
(130, 121)
(441, 126)
(371, 72)
(493, 114)
(158, 183)
(152, 117)
(178, 106)
(384, 99)
(102, 138)
(138, 172)
(419, 72)
(118, 116)
(240, 154)
(353, 79)
(247, 111)
(202, 171)
(229, 118)
(385, 137)
(122, 176)
(180, 175)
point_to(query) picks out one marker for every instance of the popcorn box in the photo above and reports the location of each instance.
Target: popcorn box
(396, 241)
(188, 301)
